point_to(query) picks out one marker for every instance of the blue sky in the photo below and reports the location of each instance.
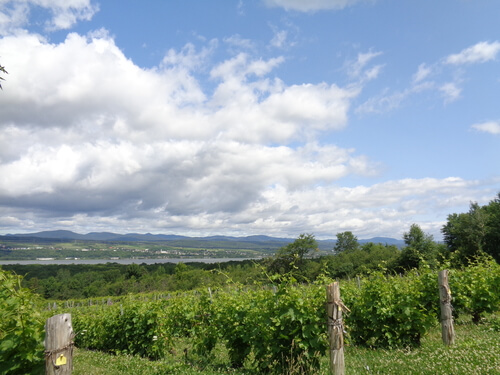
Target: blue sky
(274, 117)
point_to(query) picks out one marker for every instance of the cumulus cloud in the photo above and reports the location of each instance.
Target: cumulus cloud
(384, 209)
(104, 138)
(311, 5)
(478, 53)
(492, 127)
(14, 14)
(90, 141)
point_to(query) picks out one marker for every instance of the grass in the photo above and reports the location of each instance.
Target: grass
(476, 351)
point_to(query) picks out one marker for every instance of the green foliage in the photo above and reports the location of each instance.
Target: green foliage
(369, 257)
(78, 281)
(21, 328)
(295, 326)
(2, 70)
(388, 311)
(476, 289)
(135, 271)
(280, 329)
(420, 248)
(492, 235)
(474, 233)
(290, 258)
(475, 352)
(129, 328)
(346, 241)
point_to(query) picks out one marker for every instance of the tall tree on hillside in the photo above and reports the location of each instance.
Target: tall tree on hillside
(290, 258)
(419, 247)
(475, 232)
(346, 242)
(492, 237)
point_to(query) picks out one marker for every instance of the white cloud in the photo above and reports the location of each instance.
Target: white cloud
(236, 41)
(195, 208)
(384, 102)
(450, 91)
(318, 107)
(103, 136)
(311, 5)
(188, 58)
(279, 39)
(422, 73)
(478, 53)
(90, 141)
(358, 69)
(492, 127)
(14, 14)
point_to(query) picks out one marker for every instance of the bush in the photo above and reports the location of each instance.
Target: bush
(476, 289)
(132, 328)
(21, 328)
(273, 332)
(389, 311)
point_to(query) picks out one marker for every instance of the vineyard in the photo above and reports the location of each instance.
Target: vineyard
(264, 329)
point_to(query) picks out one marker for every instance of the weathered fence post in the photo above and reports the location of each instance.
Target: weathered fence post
(59, 345)
(447, 330)
(335, 328)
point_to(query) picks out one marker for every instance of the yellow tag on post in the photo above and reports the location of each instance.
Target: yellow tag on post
(61, 360)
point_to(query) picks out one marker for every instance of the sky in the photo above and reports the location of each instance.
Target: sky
(258, 117)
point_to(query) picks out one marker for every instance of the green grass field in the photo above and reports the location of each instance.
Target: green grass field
(476, 352)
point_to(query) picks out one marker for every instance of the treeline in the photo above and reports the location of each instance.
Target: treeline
(75, 281)
(262, 329)
(467, 237)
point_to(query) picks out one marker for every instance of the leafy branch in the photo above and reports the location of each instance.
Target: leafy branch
(2, 70)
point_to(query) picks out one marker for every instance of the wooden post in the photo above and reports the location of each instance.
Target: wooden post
(447, 330)
(335, 328)
(59, 345)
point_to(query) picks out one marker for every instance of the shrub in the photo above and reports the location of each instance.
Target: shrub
(389, 311)
(21, 328)
(132, 328)
(475, 289)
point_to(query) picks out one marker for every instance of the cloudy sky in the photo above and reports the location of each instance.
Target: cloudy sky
(274, 117)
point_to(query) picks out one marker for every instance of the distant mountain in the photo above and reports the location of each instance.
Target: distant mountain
(97, 236)
(51, 234)
(176, 240)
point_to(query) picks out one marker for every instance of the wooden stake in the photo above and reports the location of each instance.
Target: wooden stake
(59, 345)
(447, 330)
(335, 328)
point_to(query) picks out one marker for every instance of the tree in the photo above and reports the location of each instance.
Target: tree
(367, 257)
(346, 241)
(475, 232)
(135, 271)
(419, 247)
(290, 258)
(2, 70)
(492, 237)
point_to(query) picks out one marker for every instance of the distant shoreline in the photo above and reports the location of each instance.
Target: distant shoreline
(125, 261)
